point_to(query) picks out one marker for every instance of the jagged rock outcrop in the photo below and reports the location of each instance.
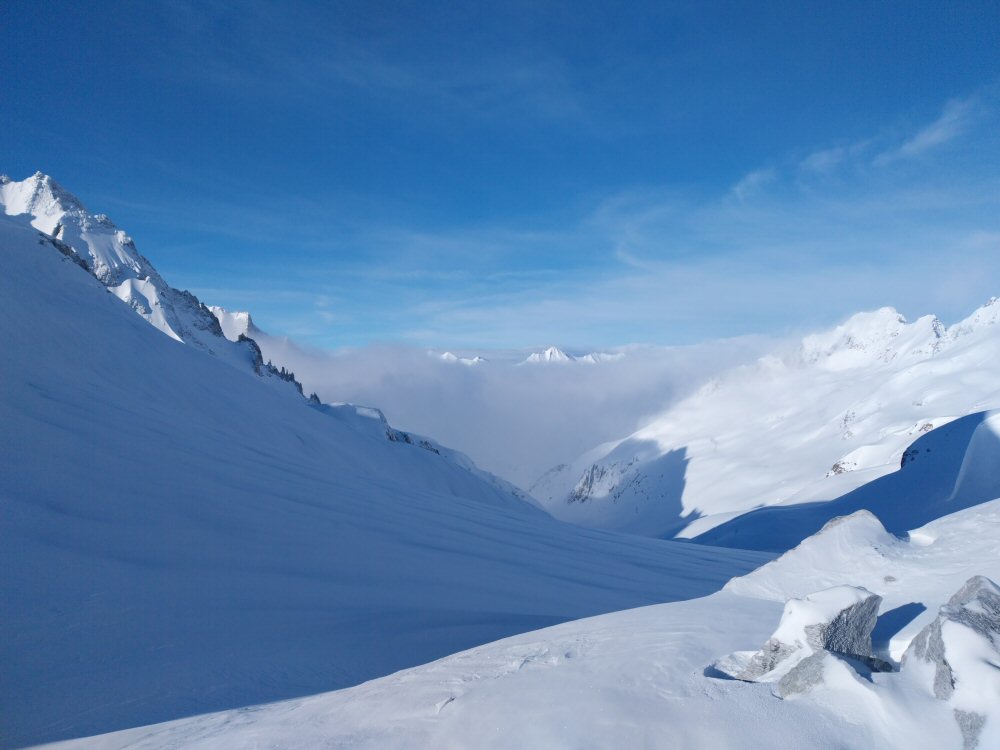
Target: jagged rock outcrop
(837, 621)
(960, 650)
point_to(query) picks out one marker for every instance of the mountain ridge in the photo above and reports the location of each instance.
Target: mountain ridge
(838, 410)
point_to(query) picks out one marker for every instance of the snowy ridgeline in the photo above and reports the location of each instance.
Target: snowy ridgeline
(883, 643)
(798, 427)
(180, 535)
(93, 242)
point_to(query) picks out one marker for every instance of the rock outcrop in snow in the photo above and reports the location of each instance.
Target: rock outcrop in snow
(836, 621)
(959, 652)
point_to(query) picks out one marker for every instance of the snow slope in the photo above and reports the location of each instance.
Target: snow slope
(953, 467)
(807, 425)
(646, 677)
(96, 244)
(177, 537)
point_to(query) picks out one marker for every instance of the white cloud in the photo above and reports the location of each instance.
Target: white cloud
(753, 183)
(955, 119)
(515, 421)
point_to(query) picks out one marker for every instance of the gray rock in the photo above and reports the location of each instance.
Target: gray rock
(838, 620)
(804, 676)
(977, 606)
(971, 725)
(767, 659)
(850, 632)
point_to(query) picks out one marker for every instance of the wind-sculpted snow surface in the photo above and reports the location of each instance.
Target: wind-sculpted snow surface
(645, 678)
(177, 537)
(798, 427)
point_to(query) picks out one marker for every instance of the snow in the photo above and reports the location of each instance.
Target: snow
(644, 678)
(234, 324)
(551, 354)
(179, 537)
(947, 469)
(554, 354)
(798, 427)
(468, 361)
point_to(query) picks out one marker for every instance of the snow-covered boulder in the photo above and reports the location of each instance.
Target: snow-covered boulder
(837, 621)
(958, 655)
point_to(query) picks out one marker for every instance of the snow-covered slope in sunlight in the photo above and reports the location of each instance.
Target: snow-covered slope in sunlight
(807, 425)
(177, 537)
(945, 470)
(649, 677)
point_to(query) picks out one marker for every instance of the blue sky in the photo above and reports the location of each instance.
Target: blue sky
(522, 174)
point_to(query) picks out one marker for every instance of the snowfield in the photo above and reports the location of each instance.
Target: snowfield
(647, 677)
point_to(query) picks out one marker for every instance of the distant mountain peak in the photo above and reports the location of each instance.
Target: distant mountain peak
(881, 334)
(234, 323)
(468, 361)
(550, 354)
(555, 354)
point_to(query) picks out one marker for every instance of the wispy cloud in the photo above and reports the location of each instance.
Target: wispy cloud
(957, 118)
(802, 241)
(752, 183)
(292, 51)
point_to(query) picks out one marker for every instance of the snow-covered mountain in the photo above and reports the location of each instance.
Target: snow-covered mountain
(177, 536)
(234, 324)
(550, 354)
(450, 357)
(554, 354)
(800, 426)
(655, 677)
(111, 256)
